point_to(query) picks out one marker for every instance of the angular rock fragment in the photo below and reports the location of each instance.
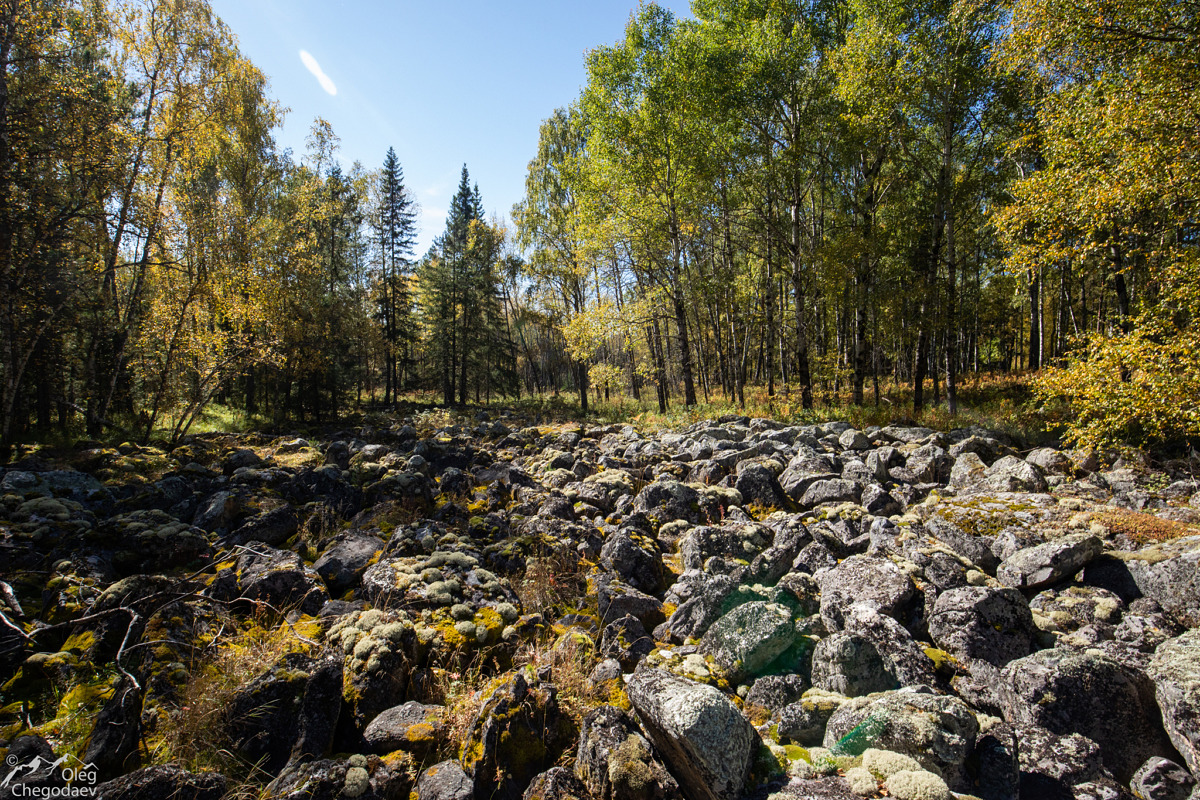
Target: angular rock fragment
(705, 740)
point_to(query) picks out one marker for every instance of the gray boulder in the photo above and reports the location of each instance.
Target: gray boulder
(1170, 574)
(976, 549)
(271, 527)
(614, 760)
(445, 781)
(413, 727)
(706, 741)
(617, 599)
(1080, 692)
(750, 637)
(1175, 669)
(850, 665)
(1161, 779)
(164, 780)
(805, 720)
(518, 733)
(1052, 765)
(803, 471)
(981, 623)
(968, 470)
(939, 731)
(833, 490)
(343, 563)
(1050, 461)
(637, 562)
(864, 578)
(759, 485)
(902, 657)
(1046, 564)
(776, 692)
(556, 783)
(217, 511)
(1011, 474)
(668, 500)
(853, 440)
(277, 577)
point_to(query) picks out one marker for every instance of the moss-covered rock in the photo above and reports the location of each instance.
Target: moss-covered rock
(518, 733)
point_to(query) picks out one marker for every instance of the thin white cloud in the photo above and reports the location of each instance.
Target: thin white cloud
(312, 66)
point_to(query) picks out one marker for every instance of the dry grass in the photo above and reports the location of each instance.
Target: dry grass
(462, 692)
(1144, 528)
(571, 658)
(551, 583)
(197, 734)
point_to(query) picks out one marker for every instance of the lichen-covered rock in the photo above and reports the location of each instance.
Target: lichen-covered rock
(1011, 474)
(759, 485)
(342, 564)
(994, 769)
(445, 781)
(442, 579)
(616, 599)
(150, 539)
(164, 780)
(359, 776)
(614, 761)
(667, 500)
(1161, 779)
(265, 713)
(803, 471)
(706, 741)
(1075, 607)
(1052, 765)
(865, 578)
(982, 623)
(805, 720)
(413, 727)
(747, 639)
(1046, 564)
(636, 561)
(112, 746)
(1169, 573)
(731, 540)
(277, 577)
(272, 527)
(848, 664)
(975, 548)
(556, 783)
(776, 692)
(939, 731)
(379, 651)
(1080, 692)
(1175, 669)
(217, 512)
(626, 640)
(905, 660)
(518, 733)
(830, 490)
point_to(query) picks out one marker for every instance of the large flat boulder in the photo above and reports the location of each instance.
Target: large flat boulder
(705, 739)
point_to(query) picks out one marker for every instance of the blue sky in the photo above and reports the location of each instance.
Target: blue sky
(442, 82)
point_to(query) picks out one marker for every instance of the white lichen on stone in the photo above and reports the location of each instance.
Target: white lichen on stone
(917, 785)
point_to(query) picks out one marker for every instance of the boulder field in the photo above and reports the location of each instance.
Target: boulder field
(431, 609)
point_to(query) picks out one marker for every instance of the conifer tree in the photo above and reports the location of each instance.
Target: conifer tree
(460, 302)
(396, 231)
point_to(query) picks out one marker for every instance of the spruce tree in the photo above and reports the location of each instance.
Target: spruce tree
(460, 302)
(396, 229)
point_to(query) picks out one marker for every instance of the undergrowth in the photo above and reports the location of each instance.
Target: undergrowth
(198, 734)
